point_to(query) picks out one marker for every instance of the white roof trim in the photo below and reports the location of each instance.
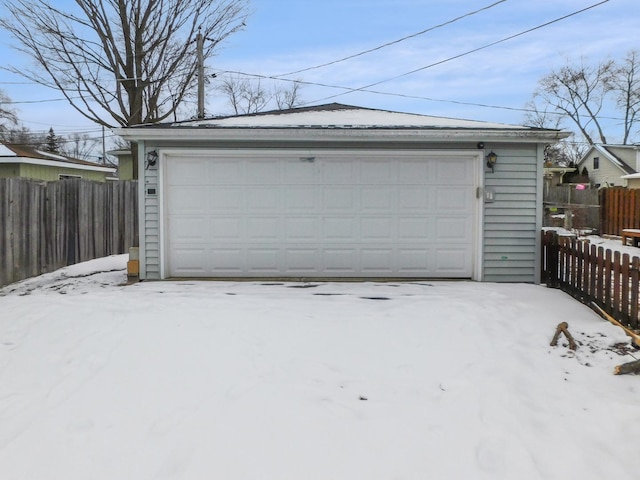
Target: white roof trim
(339, 134)
(54, 163)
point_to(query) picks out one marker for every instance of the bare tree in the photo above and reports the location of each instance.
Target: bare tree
(578, 92)
(79, 145)
(251, 96)
(243, 95)
(626, 85)
(7, 114)
(286, 98)
(120, 62)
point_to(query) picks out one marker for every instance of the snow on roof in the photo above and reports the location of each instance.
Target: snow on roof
(6, 152)
(344, 116)
(52, 155)
(617, 161)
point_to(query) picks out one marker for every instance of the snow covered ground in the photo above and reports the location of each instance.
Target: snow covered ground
(207, 380)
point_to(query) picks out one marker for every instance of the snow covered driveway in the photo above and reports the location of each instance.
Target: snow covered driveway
(208, 380)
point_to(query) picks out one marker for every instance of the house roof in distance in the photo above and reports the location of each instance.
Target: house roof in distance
(339, 121)
(10, 153)
(609, 152)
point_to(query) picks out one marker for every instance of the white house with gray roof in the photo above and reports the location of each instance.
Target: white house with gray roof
(340, 192)
(611, 165)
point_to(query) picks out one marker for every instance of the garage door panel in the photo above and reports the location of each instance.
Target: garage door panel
(189, 200)
(301, 229)
(452, 261)
(377, 228)
(302, 199)
(262, 172)
(189, 261)
(413, 198)
(454, 172)
(321, 215)
(189, 171)
(378, 199)
(191, 228)
(340, 260)
(454, 199)
(451, 229)
(378, 261)
(300, 171)
(380, 172)
(415, 228)
(340, 229)
(263, 228)
(414, 260)
(303, 260)
(339, 199)
(263, 260)
(225, 171)
(227, 261)
(228, 229)
(223, 199)
(264, 198)
(411, 172)
(337, 172)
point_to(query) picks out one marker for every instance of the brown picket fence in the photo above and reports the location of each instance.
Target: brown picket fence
(591, 273)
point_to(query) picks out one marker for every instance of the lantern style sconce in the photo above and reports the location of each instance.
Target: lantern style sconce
(492, 158)
(152, 158)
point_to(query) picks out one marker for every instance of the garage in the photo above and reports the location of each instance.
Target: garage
(340, 192)
(321, 214)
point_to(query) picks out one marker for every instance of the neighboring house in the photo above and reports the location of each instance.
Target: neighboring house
(125, 163)
(337, 192)
(26, 162)
(611, 165)
(554, 176)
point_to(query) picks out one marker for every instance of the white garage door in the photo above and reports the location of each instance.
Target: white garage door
(319, 215)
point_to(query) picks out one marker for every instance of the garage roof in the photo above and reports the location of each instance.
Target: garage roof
(337, 117)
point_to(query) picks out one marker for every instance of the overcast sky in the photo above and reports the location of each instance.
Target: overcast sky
(283, 36)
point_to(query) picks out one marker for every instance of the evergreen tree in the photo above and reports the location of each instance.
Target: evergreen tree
(52, 142)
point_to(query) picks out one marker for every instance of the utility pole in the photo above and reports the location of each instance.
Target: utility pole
(200, 48)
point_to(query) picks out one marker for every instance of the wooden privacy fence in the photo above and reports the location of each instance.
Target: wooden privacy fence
(592, 274)
(48, 225)
(619, 208)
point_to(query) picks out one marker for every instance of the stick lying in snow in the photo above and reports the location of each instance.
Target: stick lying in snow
(564, 328)
(634, 336)
(631, 367)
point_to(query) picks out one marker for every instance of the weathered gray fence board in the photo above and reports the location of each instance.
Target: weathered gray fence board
(47, 225)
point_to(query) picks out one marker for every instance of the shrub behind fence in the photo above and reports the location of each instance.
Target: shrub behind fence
(48, 225)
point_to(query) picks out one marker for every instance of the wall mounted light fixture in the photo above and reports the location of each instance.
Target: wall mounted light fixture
(492, 158)
(152, 158)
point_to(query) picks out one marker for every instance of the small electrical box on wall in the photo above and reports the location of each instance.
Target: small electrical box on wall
(489, 195)
(151, 191)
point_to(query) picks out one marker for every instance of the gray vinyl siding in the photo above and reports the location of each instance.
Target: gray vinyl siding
(511, 229)
(150, 231)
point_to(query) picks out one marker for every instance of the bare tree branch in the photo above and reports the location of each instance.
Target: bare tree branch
(626, 85)
(120, 62)
(251, 96)
(578, 92)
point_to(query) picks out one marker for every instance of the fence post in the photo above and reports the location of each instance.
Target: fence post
(550, 259)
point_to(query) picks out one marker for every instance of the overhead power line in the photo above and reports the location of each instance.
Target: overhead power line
(367, 88)
(394, 42)
(469, 52)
